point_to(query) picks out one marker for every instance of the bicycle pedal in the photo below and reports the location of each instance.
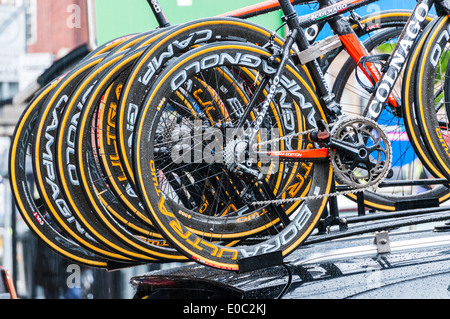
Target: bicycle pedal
(322, 134)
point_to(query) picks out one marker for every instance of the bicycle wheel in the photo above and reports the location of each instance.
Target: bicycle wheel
(195, 189)
(36, 216)
(107, 146)
(152, 62)
(57, 229)
(407, 164)
(115, 44)
(410, 111)
(80, 204)
(95, 215)
(409, 100)
(158, 173)
(103, 201)
(180, 40)
(108, 157)
(44, 169)
(138, 84)
(431, 94)
(47, 177)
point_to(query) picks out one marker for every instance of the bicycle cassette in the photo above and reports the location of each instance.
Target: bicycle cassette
(363, 158)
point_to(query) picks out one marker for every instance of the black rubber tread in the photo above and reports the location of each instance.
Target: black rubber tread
(61, 66)
(71, 181)
(108, 155)
(44, 157)
(45, 151)
(206, 210)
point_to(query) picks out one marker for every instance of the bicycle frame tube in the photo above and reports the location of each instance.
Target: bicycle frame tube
(326, 10)
(159, 14)
(398, 59)
(357, 51)
(291, 17)
(306, 155)
(333, 14)
(329, 11)
(260, 8)
(395, 63)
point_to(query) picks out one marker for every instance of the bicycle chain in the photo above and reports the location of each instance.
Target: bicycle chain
(315, 197)
(354, 189)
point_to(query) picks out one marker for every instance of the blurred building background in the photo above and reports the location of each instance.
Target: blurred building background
(35, 33)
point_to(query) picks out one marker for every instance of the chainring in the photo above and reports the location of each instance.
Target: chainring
(374, 157)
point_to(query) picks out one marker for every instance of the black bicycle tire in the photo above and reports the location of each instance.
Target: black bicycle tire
(32, 215)
(134, 41)
(84, 119)
(61, 65)
(410, 109)
(138, 92)
(100, 80)
(47, 181)
(409, 100)
(111, 45)
(64, 91)
(210, 254)
(296, 185)
(106, 134)
(424, 106)
(70, 185)
(54, 240)
(95, 227)
(109, 157)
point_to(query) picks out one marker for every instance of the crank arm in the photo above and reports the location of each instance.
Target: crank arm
(306, 155)
(345, 147)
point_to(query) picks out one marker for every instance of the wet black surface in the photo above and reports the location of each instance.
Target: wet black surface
(418, 267)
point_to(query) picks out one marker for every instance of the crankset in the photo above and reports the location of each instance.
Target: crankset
(360, 152)
(358, 148)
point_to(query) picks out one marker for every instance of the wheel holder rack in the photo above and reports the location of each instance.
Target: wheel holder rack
(403, 208)
(379, 222)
